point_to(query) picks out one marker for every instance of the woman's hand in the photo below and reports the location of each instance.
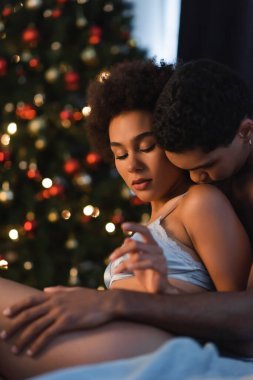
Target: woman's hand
(145, 259)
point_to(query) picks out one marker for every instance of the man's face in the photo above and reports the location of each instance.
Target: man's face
(217, 165)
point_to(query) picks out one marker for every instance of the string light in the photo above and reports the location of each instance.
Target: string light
(110, 227)
(88, 210)
(47, 183)
(12, 128)
(3, 264)
(13, 234)
(28, 265)
(66, 214)
(5, 139)
(86, 111)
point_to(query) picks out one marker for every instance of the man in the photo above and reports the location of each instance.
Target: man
(224, 318)
(203, 121)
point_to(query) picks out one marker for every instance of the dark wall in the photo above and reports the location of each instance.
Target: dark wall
(221, 30)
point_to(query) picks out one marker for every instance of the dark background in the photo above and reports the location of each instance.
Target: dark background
(221, 30)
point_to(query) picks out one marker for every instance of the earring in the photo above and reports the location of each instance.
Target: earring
(250, 142)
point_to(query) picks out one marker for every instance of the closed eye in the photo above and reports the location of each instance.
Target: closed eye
(148, 149)
(121, 157)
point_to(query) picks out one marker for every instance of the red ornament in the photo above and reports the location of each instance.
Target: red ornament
(34, 63)
(26, 112)
(93, 159)
(117, 219)
(66, 115)
(33, 174)
(72, 166)
(30, 35)
(3, 66)
(7, 11)
(56, 190)
(95, 35)
(56, 13)
(72, 79)
(30, 225)
(5, 155)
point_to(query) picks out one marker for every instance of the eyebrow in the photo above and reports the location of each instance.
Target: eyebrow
(136, 138)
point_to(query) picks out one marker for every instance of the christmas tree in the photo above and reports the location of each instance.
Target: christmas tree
(61, 207)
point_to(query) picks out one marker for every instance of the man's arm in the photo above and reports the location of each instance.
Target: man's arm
(212, 316)
(209, 316)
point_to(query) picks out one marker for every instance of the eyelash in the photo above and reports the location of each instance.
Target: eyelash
(146, 150)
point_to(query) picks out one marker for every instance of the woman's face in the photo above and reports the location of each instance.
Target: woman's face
(141, 163)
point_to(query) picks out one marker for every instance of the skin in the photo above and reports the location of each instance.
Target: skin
(57, 311)
(222, 162)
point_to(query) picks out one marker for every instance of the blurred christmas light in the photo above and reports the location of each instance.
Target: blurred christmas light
(93, 159)
(30, 226)
(23, 165)
(28, 265)
(13, 234)
(30, 215)
(53, 216)
(110, 227)
(86, 110)
(5, 139)
(66, 214)
(108, 7)
(73, 276)
(12, 128)
(3, 66)
(36, 125)
(52, 74)
(71, 243)
(9, 107)
(40, 143)
(33, 4)
(31, 36)
(71, 166)
(47, 13)
(88, 210)
(56, 46)
(39, 100)
(81, 22)
(3, 264)
(89, 56)
(47, 183)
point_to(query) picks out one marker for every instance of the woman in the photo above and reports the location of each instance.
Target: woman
(196, 227)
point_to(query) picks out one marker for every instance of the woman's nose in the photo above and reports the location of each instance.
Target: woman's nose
(133, 164)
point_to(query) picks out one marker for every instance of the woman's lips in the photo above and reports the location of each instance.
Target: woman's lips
(141, 184)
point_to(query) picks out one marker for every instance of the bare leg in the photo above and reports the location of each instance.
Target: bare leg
(112, 341)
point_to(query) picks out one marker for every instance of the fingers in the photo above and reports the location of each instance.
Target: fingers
(24, 304)
(32, 333)
(140, 260)
(131, 245)
(53, 289)
(42, 340)
(143, 230)
(22, 319)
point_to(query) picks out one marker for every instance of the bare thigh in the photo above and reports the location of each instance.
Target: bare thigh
(115, 340)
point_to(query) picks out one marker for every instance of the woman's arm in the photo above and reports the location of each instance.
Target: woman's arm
(217, 236)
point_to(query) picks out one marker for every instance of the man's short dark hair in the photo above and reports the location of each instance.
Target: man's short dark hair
(201, 106)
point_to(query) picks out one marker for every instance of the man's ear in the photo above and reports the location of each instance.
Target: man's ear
(245, 130)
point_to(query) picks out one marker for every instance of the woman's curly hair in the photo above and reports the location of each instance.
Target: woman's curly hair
(128, 86)
(201, 106)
